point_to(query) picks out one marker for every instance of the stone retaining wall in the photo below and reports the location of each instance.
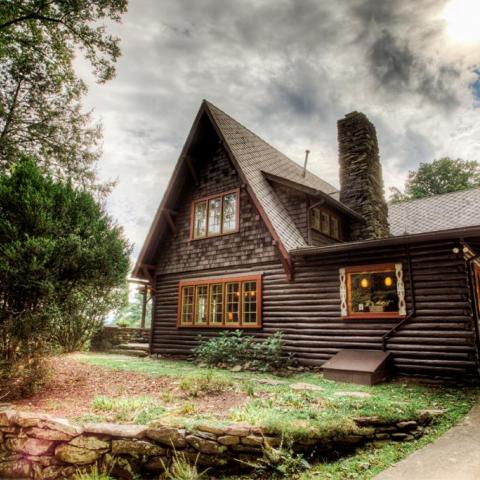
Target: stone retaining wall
(110, 337)
(38, 446)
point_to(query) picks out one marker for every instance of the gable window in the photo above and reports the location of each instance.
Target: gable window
(372, 291)
(220, 302)
(215, 215)
(325, 222)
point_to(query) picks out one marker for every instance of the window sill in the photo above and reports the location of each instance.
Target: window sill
(214, 236)
(221, 327)
(393, 316)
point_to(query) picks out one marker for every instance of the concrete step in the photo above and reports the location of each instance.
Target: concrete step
(131, 353)
(143, 347)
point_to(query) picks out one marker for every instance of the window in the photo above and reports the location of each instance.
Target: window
(200, 224)
(325, 222)
(221, 302)
(230, 212)
(187, 305)
(201, 295)
(372, 291)
(215, 215)
(232, 303)
(249, 292)
(216, 303)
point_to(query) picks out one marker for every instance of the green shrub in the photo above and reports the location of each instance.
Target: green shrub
(235, 348)
(62, 259)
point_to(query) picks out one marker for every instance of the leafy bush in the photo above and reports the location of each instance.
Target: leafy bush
(62, 260)
(235, 348)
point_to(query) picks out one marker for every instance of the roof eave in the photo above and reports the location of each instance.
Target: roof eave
(314, 193)
(138, 270)
(457, 233)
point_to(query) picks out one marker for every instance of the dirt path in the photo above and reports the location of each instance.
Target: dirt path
(73, 385)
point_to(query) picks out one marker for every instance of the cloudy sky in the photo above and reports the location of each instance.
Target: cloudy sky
(288, 70)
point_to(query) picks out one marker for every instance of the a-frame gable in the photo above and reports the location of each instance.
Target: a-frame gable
(185, 168)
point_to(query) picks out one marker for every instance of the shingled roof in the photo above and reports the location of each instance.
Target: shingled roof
(259, 163)
(255, 156)
(254, 159)
(440, 212)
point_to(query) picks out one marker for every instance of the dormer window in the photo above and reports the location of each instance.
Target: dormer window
(325, 222)
(215, 215)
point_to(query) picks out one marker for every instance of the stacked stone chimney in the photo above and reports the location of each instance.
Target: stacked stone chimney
(361, 181)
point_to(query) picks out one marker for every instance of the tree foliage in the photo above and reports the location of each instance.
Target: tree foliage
(40, 100)
(63, 262)
(130, 315)
(440, 176)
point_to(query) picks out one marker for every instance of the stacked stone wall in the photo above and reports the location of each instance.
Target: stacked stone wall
(110, 337)
(38, 446)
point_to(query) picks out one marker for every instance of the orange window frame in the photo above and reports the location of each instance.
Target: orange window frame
(224, 281)
(379, 268)
(207, 201)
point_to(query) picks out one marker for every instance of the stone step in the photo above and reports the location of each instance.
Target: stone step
(143, 347)
(131, 353)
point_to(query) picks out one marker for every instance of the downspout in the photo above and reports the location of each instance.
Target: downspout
(413, 311)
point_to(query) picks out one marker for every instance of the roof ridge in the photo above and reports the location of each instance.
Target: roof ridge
(412, 200)
(210, 104)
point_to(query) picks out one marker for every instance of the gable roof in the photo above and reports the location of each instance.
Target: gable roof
(252, 157)
(255, 156)
(440, 212)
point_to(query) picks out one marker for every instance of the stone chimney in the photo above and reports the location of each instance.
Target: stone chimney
(361, 181)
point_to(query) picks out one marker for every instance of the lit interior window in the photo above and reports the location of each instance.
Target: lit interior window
(373, 292)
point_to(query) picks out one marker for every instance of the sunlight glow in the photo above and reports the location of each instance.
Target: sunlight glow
(463, 20)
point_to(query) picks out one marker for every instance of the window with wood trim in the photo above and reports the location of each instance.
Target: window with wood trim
(372, 291)
(221, 302)
(325, 222)
(215, 215)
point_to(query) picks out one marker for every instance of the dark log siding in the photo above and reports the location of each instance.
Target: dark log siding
(438, 341)
(251, 244)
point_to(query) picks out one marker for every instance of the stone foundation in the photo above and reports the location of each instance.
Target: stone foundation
(37, 446)
(110, 337)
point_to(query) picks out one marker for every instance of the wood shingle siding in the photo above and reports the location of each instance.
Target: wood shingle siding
(251, 243)
(438, 341)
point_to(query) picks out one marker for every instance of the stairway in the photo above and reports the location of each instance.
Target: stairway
(131, 349)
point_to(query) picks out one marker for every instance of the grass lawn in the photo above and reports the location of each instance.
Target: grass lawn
(131, 390)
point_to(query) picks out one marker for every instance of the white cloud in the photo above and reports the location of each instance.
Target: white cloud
(287, 70)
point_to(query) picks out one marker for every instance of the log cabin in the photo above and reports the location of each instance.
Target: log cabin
(245, 238)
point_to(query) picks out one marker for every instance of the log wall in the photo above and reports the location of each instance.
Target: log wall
(439, 341)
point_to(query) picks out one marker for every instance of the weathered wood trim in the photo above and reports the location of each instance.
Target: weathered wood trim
(191, 169)
(169, 219)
